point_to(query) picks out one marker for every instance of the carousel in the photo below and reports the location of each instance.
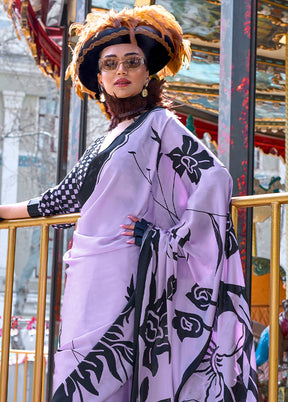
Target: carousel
(200, 98)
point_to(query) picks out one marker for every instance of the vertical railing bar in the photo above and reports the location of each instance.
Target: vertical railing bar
(274, 302)
(234, 214)
(7, 313)
(43, 377)
(41, 305)
(16, 378)
(25, 377)
(254, 240)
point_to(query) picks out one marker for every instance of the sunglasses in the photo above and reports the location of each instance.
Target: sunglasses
(129, 63)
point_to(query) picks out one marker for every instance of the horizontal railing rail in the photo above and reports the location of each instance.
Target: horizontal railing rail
(12, 226)
(22, 358)
(273, 200)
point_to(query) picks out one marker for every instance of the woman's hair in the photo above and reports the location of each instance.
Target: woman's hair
(120, 109)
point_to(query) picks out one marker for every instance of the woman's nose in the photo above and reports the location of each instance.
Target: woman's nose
(121, 68)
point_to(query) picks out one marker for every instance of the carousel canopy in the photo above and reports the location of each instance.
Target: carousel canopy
(196, 91)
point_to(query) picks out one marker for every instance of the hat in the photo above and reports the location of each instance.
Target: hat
(151, 28)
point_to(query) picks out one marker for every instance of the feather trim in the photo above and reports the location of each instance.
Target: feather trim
(154, 16)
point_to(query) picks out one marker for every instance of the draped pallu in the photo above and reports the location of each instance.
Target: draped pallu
(167, 321)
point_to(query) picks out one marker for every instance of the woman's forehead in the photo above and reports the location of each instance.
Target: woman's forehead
(121, 50)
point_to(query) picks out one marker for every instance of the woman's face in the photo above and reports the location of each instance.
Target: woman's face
(123, 81)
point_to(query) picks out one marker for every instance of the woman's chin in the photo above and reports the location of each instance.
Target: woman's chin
(122, 94)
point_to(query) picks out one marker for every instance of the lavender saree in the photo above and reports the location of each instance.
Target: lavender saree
(167, 321)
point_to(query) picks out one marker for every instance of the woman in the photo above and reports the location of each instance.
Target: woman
(167, 321)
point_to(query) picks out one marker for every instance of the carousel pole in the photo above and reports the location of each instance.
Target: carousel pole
(56, 274)
(84, 103)
(286, 152)
(237, 111)
(78, 110)
(79, 107)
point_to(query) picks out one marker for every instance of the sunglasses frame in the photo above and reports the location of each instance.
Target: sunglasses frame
(121, 61)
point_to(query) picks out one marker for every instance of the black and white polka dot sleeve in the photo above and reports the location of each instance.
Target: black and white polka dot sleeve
(62, 199)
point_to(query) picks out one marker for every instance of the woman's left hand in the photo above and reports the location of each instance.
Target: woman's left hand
(129, 229)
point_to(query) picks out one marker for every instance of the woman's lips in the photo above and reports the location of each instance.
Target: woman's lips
(121, 83)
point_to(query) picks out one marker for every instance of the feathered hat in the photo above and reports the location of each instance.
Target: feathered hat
(152, 28)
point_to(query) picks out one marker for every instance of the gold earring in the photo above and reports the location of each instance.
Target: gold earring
(102, 96)
(144, 92)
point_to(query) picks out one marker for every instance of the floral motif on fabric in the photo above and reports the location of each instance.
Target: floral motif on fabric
(231, 244)
(144, 392)
(154, 330)
(171, 287)
(187, 159)
(110, 350)
(188, 325)
(201, 297)
(218, 238)
(171, 309)
(223, 352)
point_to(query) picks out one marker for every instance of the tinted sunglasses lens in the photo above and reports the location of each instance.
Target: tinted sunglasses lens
(132, 62)
(129, 63)
(109, 64)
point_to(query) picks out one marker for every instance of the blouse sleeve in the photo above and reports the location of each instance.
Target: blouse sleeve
(63, 198)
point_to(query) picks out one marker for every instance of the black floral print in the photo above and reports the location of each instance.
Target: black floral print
(154, 329)
(218, 238)
(201, 297)
(144, 389)
(171, 287)
(220, 351)
(188, 325)
(111, 349)
(188, 160)
(182, 240)
(231, 245)
(172, 309)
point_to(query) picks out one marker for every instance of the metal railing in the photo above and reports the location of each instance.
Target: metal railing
(12, 226)
(273, 200)
(20, 359)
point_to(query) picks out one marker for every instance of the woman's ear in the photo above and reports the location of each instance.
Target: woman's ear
(99, 79)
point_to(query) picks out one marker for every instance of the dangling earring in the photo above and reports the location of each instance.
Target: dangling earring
(102, 96)
(144, 92)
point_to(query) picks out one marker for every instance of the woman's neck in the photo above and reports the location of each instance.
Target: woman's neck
(113, 133)
(121, 127)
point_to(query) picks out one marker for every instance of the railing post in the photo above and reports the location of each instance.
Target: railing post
(38, 365)
(7, 314)
(234, 213)
(274, 302)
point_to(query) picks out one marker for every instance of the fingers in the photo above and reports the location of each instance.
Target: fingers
(127, 233)
(129, 229)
